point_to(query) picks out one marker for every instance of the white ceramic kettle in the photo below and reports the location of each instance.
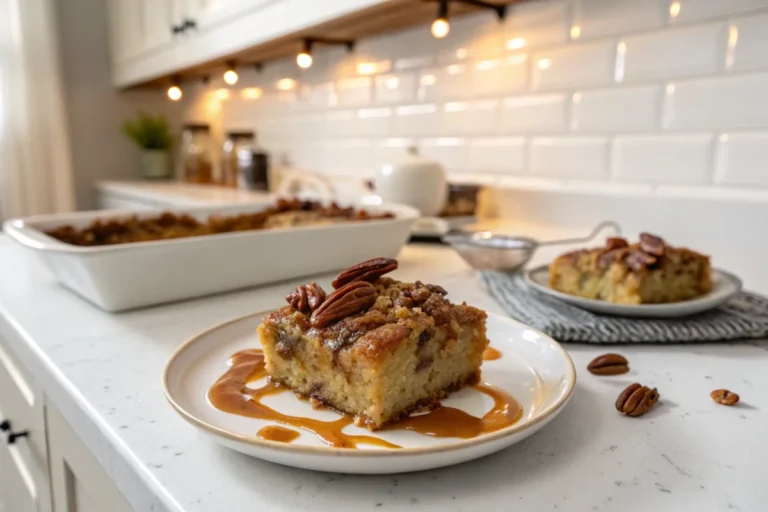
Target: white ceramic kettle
(415, 181)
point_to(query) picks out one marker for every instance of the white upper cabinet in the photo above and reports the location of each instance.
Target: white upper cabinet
(210, 13)
(158, 21)
(155, 38)
(126, 29)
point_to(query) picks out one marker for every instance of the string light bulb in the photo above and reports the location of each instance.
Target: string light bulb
(230, 75)
(174, 91)
(441, 27)
(304, 58)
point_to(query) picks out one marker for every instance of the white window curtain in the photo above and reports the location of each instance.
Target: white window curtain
(35, 164)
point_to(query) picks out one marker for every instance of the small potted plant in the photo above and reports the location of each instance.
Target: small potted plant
(153, 136)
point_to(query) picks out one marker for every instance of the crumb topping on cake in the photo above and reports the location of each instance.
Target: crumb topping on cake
(398, 309)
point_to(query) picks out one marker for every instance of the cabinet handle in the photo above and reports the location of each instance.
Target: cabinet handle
(189, 23)
(13, 436)
(177, 29)
(5, 426)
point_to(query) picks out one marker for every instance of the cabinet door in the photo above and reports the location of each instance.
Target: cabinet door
(78, 482)
(23, 463)
(126, 29)
(18, 492)
(209, 13)
(159, 17)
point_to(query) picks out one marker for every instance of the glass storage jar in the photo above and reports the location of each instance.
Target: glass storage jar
(196, 160)
(237, 143)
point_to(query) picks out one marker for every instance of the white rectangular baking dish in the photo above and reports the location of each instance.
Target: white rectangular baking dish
(125, 276)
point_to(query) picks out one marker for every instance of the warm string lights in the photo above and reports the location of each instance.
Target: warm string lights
(174, 91)
(304, 57)
(230, 75)
(441, 27)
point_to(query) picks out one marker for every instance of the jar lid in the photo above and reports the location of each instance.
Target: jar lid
(240, 135)
(197, 127)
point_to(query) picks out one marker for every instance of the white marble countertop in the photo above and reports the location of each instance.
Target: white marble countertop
(175, 193)
(103, 373)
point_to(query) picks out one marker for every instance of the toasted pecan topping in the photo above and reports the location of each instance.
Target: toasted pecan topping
(615, 242)
(652, 244)
(346, 301)
(639, 260)
(306, 298)
(366, 271)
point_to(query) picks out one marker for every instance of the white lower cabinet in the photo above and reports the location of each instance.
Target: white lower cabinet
(23, 459)
(78, 482)
(44, 465)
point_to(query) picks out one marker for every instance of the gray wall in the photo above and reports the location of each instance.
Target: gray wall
(95, 110)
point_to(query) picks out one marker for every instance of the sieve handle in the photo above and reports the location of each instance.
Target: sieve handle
(600, 227)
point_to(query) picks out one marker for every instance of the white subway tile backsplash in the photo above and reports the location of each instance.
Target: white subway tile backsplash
(608, 96)
(470, 117)
(307, 125)
(350, 156)
(685, 11)
(623, 109)
(497, 155)
(415, 120)
(322, 95)
(569, 157)
(717, 103)
(396, 88)
(476, 36)
(748, 43)
(679, 158)
(393, 150)
(538, 113)
(592, 18)
(340, 123)
(496, 77)
(446, 83)
(534, 24)
(451, 152)
(374, 122)
(354, 91)
(742, 159)
(574, 66)
(673, 53)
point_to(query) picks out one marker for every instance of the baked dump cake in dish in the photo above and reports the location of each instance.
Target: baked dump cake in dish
(374, 347)
(285, 213)
(647, 272)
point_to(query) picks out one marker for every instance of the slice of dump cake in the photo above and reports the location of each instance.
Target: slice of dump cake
(375, 348)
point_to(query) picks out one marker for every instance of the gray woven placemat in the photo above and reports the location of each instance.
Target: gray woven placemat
(744, 317)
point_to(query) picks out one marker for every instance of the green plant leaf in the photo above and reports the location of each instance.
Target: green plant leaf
(149, 132)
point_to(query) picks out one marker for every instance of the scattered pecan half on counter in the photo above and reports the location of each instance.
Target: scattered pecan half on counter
(608, 364)
(636, 400)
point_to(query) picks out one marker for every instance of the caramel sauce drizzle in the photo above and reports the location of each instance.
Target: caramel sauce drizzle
(491, 354)
(277, 433)
(231, 394)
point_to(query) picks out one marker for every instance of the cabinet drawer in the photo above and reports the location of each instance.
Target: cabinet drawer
(25, 458)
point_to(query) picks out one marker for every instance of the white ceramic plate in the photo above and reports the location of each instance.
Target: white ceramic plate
(724, 287)
(533, 368)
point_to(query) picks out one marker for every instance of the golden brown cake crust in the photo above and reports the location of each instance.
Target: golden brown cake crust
(649, 271)
(399, 308)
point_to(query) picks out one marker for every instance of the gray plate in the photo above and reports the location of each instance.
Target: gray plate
(724, 287)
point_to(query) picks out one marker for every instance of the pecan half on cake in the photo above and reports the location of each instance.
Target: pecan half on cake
(375, 348)
(647, 272)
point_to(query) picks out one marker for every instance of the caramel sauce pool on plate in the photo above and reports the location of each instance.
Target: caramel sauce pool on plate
(231, 394)
(491, 354)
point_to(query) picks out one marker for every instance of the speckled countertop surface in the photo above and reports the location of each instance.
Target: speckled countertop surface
(103, 373)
